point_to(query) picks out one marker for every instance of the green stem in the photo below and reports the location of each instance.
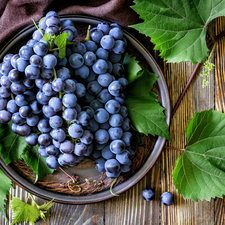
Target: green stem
(79, 190)
(12, 96)
(32, 197)
(112, 187)
(37, 27)
(87, 38)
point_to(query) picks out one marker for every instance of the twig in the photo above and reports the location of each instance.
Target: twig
(67, 174)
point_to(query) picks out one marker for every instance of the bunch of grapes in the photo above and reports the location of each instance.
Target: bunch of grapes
(71, 107)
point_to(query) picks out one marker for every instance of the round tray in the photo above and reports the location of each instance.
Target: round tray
(147, 153)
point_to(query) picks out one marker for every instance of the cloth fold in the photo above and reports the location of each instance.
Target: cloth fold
(17, 14)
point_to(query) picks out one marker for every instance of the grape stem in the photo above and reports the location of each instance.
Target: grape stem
(87, 38)
(67, 174)
(112, 187)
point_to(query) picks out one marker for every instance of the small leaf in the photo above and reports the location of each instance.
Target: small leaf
(144, 109)
(47, 36)
(47, 205)
(23, 212)
(61, 42)
(132, 68)
(178, 28)
(200, 170)
(5, 186)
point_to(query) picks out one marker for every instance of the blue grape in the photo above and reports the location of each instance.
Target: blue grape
(32, 120)
(100, 164)
(124, 82)
(25, 111)
(78, 47)
(43, 125)
(113, 175)
(112, 106)
(66, 23)
(7, 57)
(40, 83)
(32, 139)
(49, 61)
(116, 33)
(89, 58)
(13, 61)
(93, 87)
(32, 72)
(21, 64)
(119, 47)
(112, 166)
(58, 85)
(17, 119)
(117, 146)
(89, 150)
(115, 88)
(31, 43)
(56, 104)
(42, 151)
(83, 118)
(56, 143)
(47, 73)
(67, 147)
(114, 58)
(101, 115)
(116, 120)
(58, 134)
(52, 162)
(26, 52)
(126, 167)
(52, 150)
(55, 121)
(105, 79)
(90, 46)
(23, 130)
(102, 53)
(101, 136)
(126, 124)
(5, 116)
(91, 76)
(107, 42)
(69, 114)
(21, 100)
(93, 125)
(47, 89)
(28, 83)
(70, 86)
(89, 111)
(69, 100)
(76, 60)
(100, 66)
(87, 137)
(80, 90)
(75, 130)
(96, 35)
(5, 68)
(36, 36)
(3, 103)
(127, 138)
(123, 158)
(69, 158)
(70, 30)
(40, 48)
(12, 106)
(123, 111)
(95, 104)
(5, 81)
(104, 27)
(82, 71)
(63, 73)
(118, 70)
(110, 67)
(35, 107)
(115, 133)
(104, 126)
(77, 108)
(106, 153)
(87, 98)
(42, 98)
(99, 146)
(120, 99)
(80, 149)
(5, 92)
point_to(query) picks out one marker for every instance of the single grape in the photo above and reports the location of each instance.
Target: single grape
(80, 90)
(95, 104)
(5, 116)
(80, 149)
(32, 139)
(63, 73)
(69, 100)
(58, 85)
(126, 167)
(75, 130)
(91, 46)
(100, 66)
(93, 125)
(115, 133)
(44, 126)
(16, 118)
(96, 35)
(58, 134)
(6, 81)
(112, 106)
(55, 121)
(52, 150)
(21, 64)
(87, 137)
(117, 33)
(26, 52)
(70, 86)
(104, 27)
(126, 124)
(32, 120)
(23, 130)
(3, 104)
(116, 120)
(115, 88)
(117, 146)
(69, 114)
(46, 74)
(105, 79)
(112, 166)
(42, 151)
(52, 162)
(56, 104)
(40, 48)
(25, 111)
(78, 47)
(82, 71)
(100, 164)
(101, 136)
(123, 158)
(83, 118)
(76, 60)
(93, 87)
(67, 147)
(49, 61)
(102, 53)
(106, 153)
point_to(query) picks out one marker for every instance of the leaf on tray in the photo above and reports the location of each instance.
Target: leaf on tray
(200, 170)
(178, 28)
(144, 109)
(14, 147)
(5, 186)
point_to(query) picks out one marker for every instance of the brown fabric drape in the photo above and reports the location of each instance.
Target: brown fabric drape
(16, 14)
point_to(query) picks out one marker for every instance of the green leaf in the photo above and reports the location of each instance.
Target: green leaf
(47, 36)
(47, 205)
(132, 68)
(23, 212)
(144, 109)
(14, 147)
(5, 186)
(200, 170)
(178, 28)
(61, 42)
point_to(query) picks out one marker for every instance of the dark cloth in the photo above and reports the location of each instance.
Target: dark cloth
(16, 14)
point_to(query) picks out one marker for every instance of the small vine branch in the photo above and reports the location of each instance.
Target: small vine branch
(67, 174)
(215, 39)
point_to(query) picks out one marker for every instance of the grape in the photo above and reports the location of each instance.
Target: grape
(112, 166)
(116, 120)
(52, 20)
(82, 71)
(101, 115)
(48, 111)
(91, 76)
(60, 160)
(69, 114)
(101, 136)
(100, 164)
(123, 158)
(49, 61)
(15, 89)
(87, 98)
(28, 83)
(58, 134)
(87, 137)
(70, 30)
(25, 111)
(115, 133)
(52, 162)
(55, 121)
(23, 130)
(104, 126)
(4, 92)
(119, 47)
(66, 23)
(40, 83)
(127, 138)
(93, 125)
(124, 82)
(80, 90)
(3, 103)
(97, 154)
(56, 104)
(89, 150)
(67, 147)
(106, 153)
(44, 126)
(126, 167)
(47, 89)
(47, 74)
(105, 79)
(30, 43)
(5, 81)
(120, 99)
(126, 124)
(115, 88)
(52, 150)
(75, 130)
(93, 87)
(63, 73)
(113, 175)
(32, 120)
(58, 85)
(89, 111)
(13, 60)
(77, 108)
(118, 70)
(70, 86)
(99, 146)
(21, 100)
(114, 58)
(68, 158)
(32, 139)
(83, 118)
(40, 48)
(21, 64)
(123, 111)
(95, 104)
(102, 53)
(78, 47)
(80, 149)
(5, 116)
(90, 46)
(89, 58)
(100, 66)
(76, 60)
(16, 118)
(104, 27)
(107, 42)
(36, 35)
(112, 106)
(96, 35)
(117, 146)
(25, 52)
(69, 100)
(7, 57)
(42, 151)
(110, 67)
(116, 32)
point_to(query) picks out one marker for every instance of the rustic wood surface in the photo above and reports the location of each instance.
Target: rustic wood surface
(130, 208)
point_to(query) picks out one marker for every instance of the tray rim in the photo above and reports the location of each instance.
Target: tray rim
(160, 142)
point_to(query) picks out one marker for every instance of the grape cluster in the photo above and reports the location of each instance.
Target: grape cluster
(71, 107)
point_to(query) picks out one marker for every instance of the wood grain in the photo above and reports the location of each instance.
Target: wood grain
(130, 208)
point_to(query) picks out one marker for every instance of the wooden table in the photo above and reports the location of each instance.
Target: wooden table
(130, 208)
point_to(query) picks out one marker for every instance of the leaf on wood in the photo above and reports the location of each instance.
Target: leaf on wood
(178, 28)
(144, 109)
(200, 170)
(5, 186)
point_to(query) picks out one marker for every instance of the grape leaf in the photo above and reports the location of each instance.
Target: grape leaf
(132, 68)
(61, 41)
(5, 186)
(178, 28)
(14, 147)
(144, 109)
(200, 170)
